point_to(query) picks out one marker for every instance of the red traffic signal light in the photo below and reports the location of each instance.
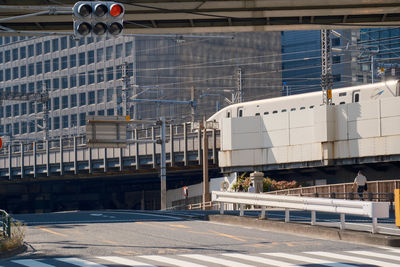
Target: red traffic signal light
(116, 10)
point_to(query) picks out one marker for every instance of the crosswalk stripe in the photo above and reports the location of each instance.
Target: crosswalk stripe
(172, 261)
(351, 258)
(127, 262)
(375, 254)
(258, 259)
(80, 262)
(308, 259)
(216, 260)
(32, 263)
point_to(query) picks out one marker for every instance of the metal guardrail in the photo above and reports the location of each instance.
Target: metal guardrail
(370, 209)
(6, 223)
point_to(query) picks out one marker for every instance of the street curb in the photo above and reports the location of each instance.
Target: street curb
(309, 231)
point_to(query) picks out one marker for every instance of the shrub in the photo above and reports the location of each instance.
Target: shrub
(268, 184)
(16, 239)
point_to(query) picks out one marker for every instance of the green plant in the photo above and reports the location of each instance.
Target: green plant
(268, 184)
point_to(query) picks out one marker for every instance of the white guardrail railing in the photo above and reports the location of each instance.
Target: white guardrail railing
(370, 209)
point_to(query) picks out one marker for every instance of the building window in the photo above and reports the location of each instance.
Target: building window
(64, 82)
(2, 75)
(39, 49)
(73, 101)
(82, 119)
(100, 112)
(82, 59)
(31, 69)
(128, 49)
(56, 64)
(23, 88)
(91, 77)
(47, 66)
(100, 96)
(39, 67)
(110, 73)
(56, 123)
(8, 74)
(31, 50)
(100, 54)
(64, 62)
(56, 83)
(47, 46)
(64, 101)
(74, 120)
(118, 50)
(7, 56)
(16, 128)
(82, 99)
(63, 43)
(65, 121)
(118, 72)
(335, 59)
(81, 41)
(15, 73)
(24, 109)
(31, 126)
(91, 98)
(109, 51)
(1, 57)
(90, 56)
(72, 42)
(31, 87)
(100, 75)
(335, 41)
(55, 44)
(337, 78)
(8, 111)
(82, 79)
(31, 107)
(24, 127)
(15, 54)
(72, 80)
(56, 103)
(22, 52)
(16, 110)
(110, 112)
(72, 61)
(110, 93)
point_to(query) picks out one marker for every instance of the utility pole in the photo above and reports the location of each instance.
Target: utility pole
(206, 190)
(192, 105)
(45, 102)
(163, 171)
(125, 89)
(326, 64)
(238, 98)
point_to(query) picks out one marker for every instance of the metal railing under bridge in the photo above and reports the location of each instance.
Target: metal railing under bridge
(70, 155)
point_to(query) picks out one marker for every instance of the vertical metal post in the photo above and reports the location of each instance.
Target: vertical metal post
(22, 161)
(47, 143)
(199, 155)
(313, 217)
(61, 156)
(105, 160)
(75, 155)
(221, 208)
(326, 67)
(137, 151)
(125, 89)
(287, 215)
(153, 155)
(241, 212)
(34, 159)
(372, 68)
(214, 146)
(121, 160)
(185, 142)
(342, 221)
(238, 98)
(90, 160)
(163, 173)
(10, 161)
(171, 145)
(192, 104)
(206, 187)
(374, 229)
(262, 212)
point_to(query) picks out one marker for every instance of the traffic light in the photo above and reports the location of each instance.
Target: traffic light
(98, 18)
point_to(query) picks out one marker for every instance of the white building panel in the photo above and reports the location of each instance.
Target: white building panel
(393, 145)
(243, 157)
(341, 149)
(380, 145)
(390, 125)
(390, 107)
(364, 128)
(301, 118)
(295, 153)
(225, 158)
(226, 132)
(366, 147)
(278, 155)
(246, 141)
(279, 121)
(363, 110)
(246, 125)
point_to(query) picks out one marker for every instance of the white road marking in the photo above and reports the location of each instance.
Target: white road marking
(172, 261)
(80, 262)
(375, 254)
(258, 259)
(216, 260)
(127, 262)
(308, 259)
(32, 263)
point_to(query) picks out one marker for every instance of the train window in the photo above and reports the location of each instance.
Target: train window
(342, 94)
(275, 111)
(228, 114)
(293, 109)
(311, 107)
(266, 113)
(356, 96)
(342, 103)
(240, 112)
(302, 108)
(257, 114)
(283, 110)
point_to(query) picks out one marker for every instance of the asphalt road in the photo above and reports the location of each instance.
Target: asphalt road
(84, 238)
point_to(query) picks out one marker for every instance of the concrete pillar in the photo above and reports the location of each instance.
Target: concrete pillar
(137, 151)
(61, 157)
(105, 160)
(75, 155)
(34, 160)
(121, 160)
(185, 146)
(199, 154)
(47, 143)
(214, 146)
(257, 179)
(22, 161)
(90, 160)
(171, 145)
(10, 161)
(153, 135)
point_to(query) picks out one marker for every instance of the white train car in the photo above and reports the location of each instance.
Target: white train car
(297, 102)
(285, 132)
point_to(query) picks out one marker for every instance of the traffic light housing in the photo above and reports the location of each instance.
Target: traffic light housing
(99, 18)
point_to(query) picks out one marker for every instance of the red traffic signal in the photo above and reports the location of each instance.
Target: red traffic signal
(116, 10)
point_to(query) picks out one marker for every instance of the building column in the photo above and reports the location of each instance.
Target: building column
(185, 154)
(171, 146)
(61, 156)
(76, 155)
(34, 159)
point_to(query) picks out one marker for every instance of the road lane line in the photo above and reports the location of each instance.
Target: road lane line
(179, 226)
(258, 259)
(229, 236)
(342, 257)
(216, 260)
(50, 231)
(375, 254)
(308, 259)
(32, 263)
(172, 261)
(80, 262)
(127, 262)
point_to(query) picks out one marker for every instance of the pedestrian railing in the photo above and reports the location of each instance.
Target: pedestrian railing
(343, 207)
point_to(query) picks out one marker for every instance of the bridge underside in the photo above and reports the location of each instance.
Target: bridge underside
(162, 16)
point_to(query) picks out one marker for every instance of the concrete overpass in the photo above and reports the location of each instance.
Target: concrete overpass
(190, 16)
